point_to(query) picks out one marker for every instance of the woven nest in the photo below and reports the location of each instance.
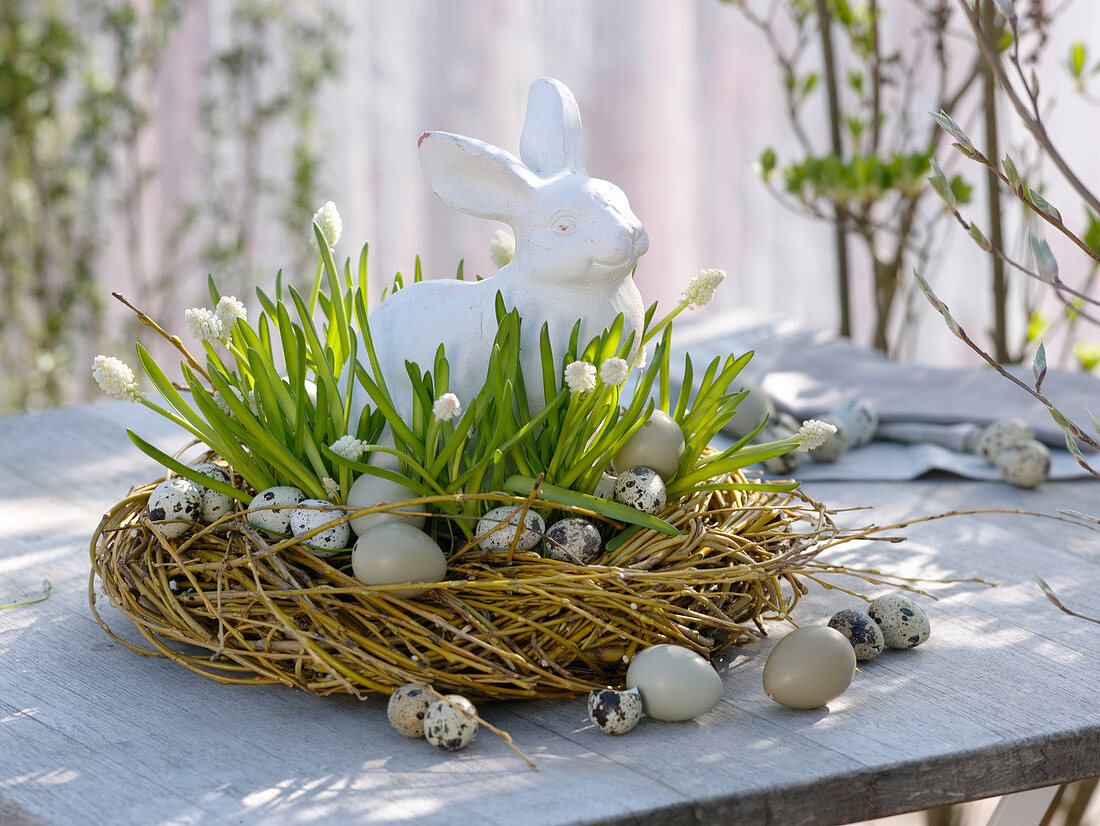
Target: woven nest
(227, 603)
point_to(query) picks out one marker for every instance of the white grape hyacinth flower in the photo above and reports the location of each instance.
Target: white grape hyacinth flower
(640, 358)
(813, 434)
(331, 486)
(229, 311)
(349, 447)
(614, 371)
(204, 325)
(115, 378)
(328, 219)
(223, 405)
(502, 248)
(702, 288)
(446, 407)
(580, 376)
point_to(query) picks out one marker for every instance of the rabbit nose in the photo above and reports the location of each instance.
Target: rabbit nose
(641, 241)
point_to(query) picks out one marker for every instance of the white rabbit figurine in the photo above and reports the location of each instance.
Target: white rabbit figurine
(577, 243)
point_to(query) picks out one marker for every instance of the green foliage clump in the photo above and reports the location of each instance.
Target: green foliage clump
(862, 180)
(63, 116)
(78, 92)
(274, 397)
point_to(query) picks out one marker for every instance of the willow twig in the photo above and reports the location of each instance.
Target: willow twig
(505, 624)
(1030, 119)
(175, 341)
(1058, 603)
(1072, 430)
(47, 589)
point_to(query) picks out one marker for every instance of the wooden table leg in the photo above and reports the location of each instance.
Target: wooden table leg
(1023, 808)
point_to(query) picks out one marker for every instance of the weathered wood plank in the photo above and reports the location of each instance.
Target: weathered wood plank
(13, 815)
(1001, 698)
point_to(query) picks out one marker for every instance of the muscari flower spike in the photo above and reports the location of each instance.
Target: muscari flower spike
(701, 290)
(502, 247)
(229, 311)
(223, 405)
(328, 219)
(813, 434)
(204, 325)
(115, 378)
(348, 447)
(446, 407)
(614, 371)
(580, 376)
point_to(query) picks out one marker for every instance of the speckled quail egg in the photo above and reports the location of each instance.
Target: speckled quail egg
(174, 504)
(368, 491)
(500, 540)
(903, 623)
(215, 505)
(809, 667)
(1002, 433)
(641, 488)
(750, 412)
(781, 426)
(407, 707)
(675, 683)
(861, 419)
(836, 445)
(450, 726)
(573, 540)
(395, 552)
(605, 488)
(280, 501)
(614, 712)
(862, 632)
(1025, 464)
(658, 445)
(304, 518)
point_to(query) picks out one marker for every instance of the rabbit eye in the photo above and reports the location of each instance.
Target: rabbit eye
(565, 224)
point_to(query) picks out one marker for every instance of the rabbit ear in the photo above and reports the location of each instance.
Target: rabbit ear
(551, 140)
(475, 177)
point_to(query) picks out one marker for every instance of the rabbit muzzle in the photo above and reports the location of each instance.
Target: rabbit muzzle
(633, 245)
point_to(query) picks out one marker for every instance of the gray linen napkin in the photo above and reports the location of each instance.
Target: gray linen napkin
(810, 373)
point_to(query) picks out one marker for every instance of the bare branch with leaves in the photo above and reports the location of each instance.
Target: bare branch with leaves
(867, 180)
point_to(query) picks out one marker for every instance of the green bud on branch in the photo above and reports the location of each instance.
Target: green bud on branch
(980, 239)
(1044, 258)
(952, 128)
(1044, 206)
(1012, 175)
(940, 184)
(1039, 365)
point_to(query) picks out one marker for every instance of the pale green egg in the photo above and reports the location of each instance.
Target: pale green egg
(809, 667)
(675, 682)
(368, 491)
(657, 445)
(395, 552)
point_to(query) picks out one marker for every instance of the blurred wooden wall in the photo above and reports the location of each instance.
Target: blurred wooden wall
(677, 99)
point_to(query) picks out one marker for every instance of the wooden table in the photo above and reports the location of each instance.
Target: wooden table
(1004, 696)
